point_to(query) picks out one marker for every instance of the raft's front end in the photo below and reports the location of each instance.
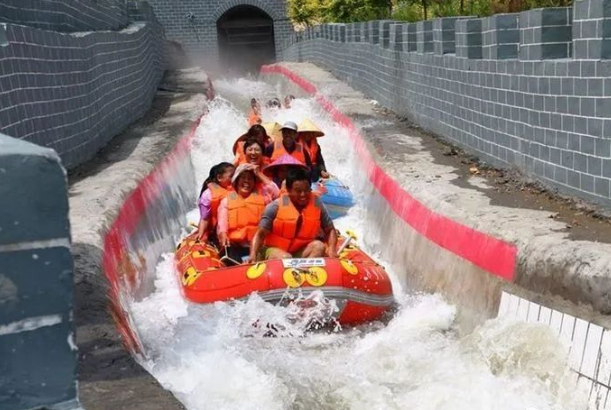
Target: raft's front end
(359, 286)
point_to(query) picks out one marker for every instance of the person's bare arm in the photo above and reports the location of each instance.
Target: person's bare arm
(331, 242)
(257, 243)
(202, 230)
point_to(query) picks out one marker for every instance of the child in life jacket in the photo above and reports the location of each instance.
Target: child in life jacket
(254, 113)
(240, 211)
(214, 189)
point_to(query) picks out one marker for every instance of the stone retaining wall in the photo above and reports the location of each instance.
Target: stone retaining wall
(529, 90)
(66, 15)
(74, 92)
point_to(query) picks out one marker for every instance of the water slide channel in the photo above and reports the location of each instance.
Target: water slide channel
(211, 357)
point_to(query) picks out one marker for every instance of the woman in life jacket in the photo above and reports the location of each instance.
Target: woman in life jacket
(214, 189)
(307, 134)
(278, 170)
(256, 132)
(240, 211)
(254, 113)
(291, 225)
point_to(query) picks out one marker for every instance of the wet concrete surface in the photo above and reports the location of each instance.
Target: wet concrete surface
(109, 377)
(507, 188)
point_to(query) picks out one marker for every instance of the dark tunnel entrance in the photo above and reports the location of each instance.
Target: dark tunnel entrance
(245, 39)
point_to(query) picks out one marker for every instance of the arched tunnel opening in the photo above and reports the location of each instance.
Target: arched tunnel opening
(245, 39)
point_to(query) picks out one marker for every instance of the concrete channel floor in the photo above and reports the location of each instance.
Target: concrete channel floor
(109, 378)
(564, 251)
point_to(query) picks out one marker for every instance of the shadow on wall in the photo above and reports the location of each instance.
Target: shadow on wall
(245, 39)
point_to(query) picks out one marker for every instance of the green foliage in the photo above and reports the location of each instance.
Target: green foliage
(408, 11)
(308, 12)
(350, 11)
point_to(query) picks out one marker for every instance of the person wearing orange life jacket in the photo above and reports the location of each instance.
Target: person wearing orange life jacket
(254, 113)
(279, 169)
(214, 189)
(253, 154)
(307, 134)
(240, 211)
(289, 145)
(258, 133)
(290, 226)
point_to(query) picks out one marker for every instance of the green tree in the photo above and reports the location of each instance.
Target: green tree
(305, 12)
(350, 11)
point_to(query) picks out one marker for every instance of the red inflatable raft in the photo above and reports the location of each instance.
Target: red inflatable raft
(360, 287)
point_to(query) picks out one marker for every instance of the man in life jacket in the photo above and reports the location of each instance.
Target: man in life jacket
(291, 225)
(289, 145)
(307, 134)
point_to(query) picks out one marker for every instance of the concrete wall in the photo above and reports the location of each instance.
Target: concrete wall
(66, 15)
(486, 88)
(37, 347)
(199, 33)
(75, 92)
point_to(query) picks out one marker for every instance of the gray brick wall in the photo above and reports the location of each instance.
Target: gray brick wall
(66, 15)
(74, 92)
(549, 118)
(199, 34)
(37, 346)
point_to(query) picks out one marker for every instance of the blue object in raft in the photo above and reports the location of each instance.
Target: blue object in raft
(338, 199)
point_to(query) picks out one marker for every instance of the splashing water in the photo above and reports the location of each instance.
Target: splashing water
(220, 356)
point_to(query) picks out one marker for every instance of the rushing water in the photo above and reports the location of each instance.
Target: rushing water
(214, 357)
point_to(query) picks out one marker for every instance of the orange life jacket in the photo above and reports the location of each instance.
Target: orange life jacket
(297, 153)
(284, 234)
(243, 216)
(218, 194)
(312, 149)
(253, 118)
(240, 156)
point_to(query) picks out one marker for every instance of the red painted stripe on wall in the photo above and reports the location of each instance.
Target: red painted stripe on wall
(487, 252)
(115, 257)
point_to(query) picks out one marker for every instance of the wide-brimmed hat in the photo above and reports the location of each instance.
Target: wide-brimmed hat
(273, 130)
(240, 170)
(285, 159)
(307, 126)
(289, 125)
